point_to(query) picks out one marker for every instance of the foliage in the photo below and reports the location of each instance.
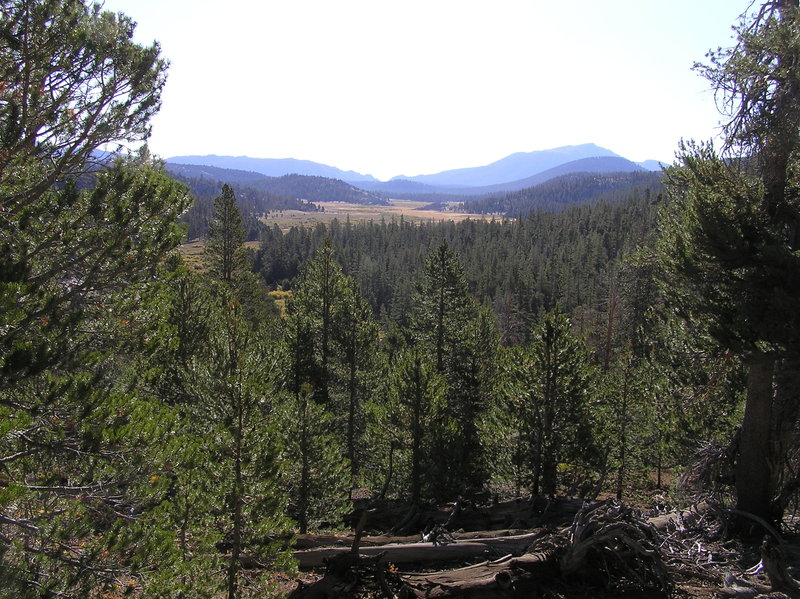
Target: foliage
(225, 238)
(314, 298)
(316, 475)
(533, 262)
(562, 192)
(444, 325)
(728, 260)
(235, 410)
(72, 442)
(355, 338)
(546, 391)
(73, 82)
(730, 244)
(410, 419)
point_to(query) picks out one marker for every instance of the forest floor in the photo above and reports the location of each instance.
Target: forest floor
(558, 548)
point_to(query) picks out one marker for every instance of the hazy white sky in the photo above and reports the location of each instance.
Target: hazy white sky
(392, 87)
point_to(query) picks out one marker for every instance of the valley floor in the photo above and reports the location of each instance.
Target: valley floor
(410, 210)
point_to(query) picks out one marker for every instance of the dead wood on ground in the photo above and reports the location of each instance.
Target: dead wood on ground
(608, 547)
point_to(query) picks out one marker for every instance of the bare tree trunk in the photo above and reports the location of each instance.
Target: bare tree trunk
(754, 482)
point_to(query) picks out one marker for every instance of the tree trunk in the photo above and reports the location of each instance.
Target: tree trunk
(236, 541)
(786, 435)
(426, 553)
(416, 435)
(623, 436)
(754, 482)
(305, 467)
(352, 384)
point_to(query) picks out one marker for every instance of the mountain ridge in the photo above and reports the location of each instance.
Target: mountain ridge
(311, 188)
(271, 167)
(514, 167)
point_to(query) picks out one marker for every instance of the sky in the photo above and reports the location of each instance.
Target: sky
(409, 87)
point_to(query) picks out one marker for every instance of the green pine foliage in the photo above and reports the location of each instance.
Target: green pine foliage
(543, 431)
(409, 421)
(444, 327)
(225, 238)
(316, 477)
(159, 425)
(532, 263)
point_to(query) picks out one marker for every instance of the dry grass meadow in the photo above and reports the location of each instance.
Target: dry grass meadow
(410, 210)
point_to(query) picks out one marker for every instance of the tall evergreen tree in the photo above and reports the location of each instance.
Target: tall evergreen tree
(548, 386)
(314, 296)
(445, 327)
(444, 307)
(731, 240)
(75, 443)
(235, 406)
(316, 473)
(416, 409)
(225, 237)
(356, 341)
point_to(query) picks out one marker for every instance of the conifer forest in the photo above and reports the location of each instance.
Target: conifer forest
(573, 399)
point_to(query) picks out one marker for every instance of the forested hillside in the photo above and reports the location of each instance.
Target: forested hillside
(566, 190)
(534, 262)
(491, 388)
(305, 187)
(254, 203)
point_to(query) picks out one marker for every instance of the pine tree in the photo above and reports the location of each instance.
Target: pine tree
(445, 327)
(315, 296)
(444, 307)
(356, 341)
(236, 409)
(79, 242)
(415, 417)
(225, 238)
(731, 240)
(316, 471)
(548, 387)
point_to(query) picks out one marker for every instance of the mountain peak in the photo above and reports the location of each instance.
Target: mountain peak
(514, 167)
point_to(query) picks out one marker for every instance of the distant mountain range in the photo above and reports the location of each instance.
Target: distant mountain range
(593, 165)
(514, 172)
(515, 167)
(566, 190)
(516, 184)
(311, 188)
(272, 167)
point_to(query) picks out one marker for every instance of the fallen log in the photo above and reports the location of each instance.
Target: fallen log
(608, 545)
(310, 541)
(487, 580)
(409, 553)
(681, 519)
